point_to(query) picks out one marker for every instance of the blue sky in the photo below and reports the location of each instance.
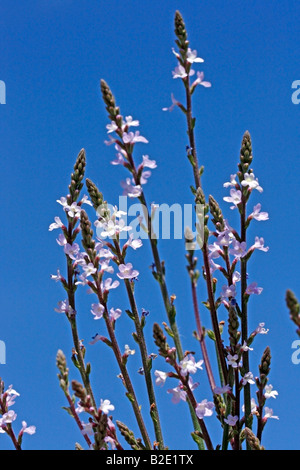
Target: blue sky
(53, 54)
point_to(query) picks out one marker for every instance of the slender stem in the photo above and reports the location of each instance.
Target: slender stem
(193, 402)
(237, 410)
(244, 318)
(144, 354)
(209, 371)
(73, 324)
(124, 372)
(78, 422)
(213, 312)
(192, 142)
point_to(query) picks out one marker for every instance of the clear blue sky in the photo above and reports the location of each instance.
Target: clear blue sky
(53, 54)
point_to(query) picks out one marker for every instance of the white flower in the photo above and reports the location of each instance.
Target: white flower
(161, 377)
(257, 215)
(232, 360)
(205, 408)
(106, 406)
(232, 182)
(269, 413)
(28, 429)
(251, 182)
(235, 197)
(97, 310)
(191, 56)
(128, 351)
(188, 365)
(58, 224)
(269, 392)
(248, 378)
(180, 72)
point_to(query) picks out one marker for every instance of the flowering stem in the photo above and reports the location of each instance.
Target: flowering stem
(244, 318)
(202, 338)
(144, 354)
(78, 422)
(193, 402)
(123, 369)
(170, 309)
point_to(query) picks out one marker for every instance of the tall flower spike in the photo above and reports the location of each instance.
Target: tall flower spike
(180, 32)
(245, 156)
(109, 100)
(264, 367)
(160, 340)
(216, 212)
(128, 435)
(95, 195)
(233, 324)
(87, 236)
(294, 308)
(77, 176)
(251, 439)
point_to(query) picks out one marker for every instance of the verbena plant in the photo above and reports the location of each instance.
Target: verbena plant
(97, 251)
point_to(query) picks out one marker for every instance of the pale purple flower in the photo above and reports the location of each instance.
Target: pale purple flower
(269, 413)
(57, 224)
(133, 137)
(205, 408)
(228, 291)
(199, 81)
(64, 307)
(238, 249)
(11, 395)
(245, 347)
(213, 266)
(161, 377)
(222, 390)
(251, 182)
(148, 163)
(232, 360)
(257, 215)
(269, 392)
(56, 277)
(73, 210)
(235, 198)
(231, 420)
(215, 251)
(236, 277)
(112, 227)
(260, 244)
(248, 379)
(260, 330)
(128, 351)
(97, 310)
(27, 429)
(119, 159)
(253, 289)
(114, 314)
(108, 284)
(85, 200)
(111, 127)
(231, 183)
(87, 429)
(180, 72)
(71, 250)
(105, 267)
(144, 176)
(131, 190)
(191, 56)
(61, 240)
(188, 365)
(127, 271)
(177, 394)
(174, 103)
(9, 417)
(129, 122)
(106, 406)
(134, 243)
